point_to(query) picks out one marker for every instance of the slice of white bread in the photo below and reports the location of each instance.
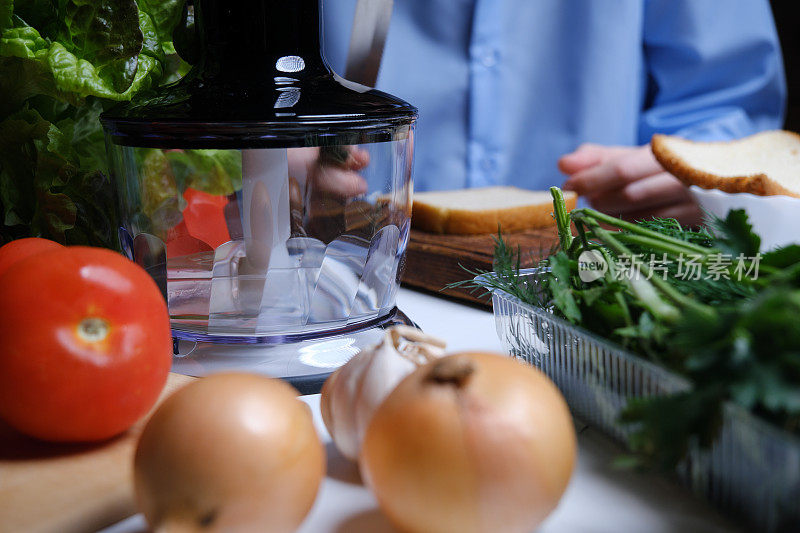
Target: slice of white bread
(766, 163)
(482, 210)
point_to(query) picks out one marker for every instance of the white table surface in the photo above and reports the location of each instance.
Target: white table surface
(599, 498)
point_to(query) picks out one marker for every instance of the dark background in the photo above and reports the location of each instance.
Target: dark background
(789, 32)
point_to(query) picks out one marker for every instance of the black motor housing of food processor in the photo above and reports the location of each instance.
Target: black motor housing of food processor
(260, 81)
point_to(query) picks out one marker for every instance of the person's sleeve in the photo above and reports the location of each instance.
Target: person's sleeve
(714, 69)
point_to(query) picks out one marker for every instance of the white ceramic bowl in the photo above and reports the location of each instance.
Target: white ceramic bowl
(775, 218)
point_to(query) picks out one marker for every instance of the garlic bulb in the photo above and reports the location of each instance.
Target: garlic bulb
(352, 394)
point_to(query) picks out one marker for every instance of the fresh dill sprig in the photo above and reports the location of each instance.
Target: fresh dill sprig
(506, 275)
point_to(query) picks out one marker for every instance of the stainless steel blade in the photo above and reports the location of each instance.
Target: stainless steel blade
(367, 39)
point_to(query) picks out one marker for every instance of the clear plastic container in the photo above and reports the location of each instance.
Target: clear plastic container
(752, 469)
(258, 242)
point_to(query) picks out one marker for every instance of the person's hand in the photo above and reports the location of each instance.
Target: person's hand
(330, 177)
(627, 182)
(324, 175)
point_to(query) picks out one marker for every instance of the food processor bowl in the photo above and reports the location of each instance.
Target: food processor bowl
(268, 198)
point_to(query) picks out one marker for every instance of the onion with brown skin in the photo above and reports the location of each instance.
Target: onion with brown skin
(230, 452)
(472, 442)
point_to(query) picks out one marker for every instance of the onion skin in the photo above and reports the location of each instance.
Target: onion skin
(230, 452)
(474, 442)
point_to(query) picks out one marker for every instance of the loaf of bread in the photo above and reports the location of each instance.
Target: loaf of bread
(483, 210)
(766, 163)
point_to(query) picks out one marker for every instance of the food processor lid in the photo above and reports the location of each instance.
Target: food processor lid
(260, 80)
(198, 115)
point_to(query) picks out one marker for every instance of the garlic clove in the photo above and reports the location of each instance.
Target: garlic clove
(352, 393)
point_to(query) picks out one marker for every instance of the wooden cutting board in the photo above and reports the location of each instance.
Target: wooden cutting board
(433, 261)
(68, 488)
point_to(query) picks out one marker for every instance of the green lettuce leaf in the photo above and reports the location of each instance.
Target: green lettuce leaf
(107, 34)
(62, 62)
(95, 204)
(52, 177)
(57, 213)
(19, 134)
(80, 77)
(211, 171)
(21, 80)
(22, 41)
(165, 15)
(90, 62)
(85, 136)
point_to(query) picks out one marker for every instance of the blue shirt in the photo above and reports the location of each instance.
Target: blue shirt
(505, 87)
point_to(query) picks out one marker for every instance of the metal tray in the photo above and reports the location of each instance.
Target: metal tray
(752, 470)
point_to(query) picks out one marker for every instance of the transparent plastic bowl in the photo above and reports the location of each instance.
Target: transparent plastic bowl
(268, 241)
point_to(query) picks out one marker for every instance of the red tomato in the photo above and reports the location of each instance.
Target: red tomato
(86, 344)
(180, 243)
(18, 250)
(205, 217)
(203, 227)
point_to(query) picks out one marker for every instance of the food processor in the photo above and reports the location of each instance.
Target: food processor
(269, 198)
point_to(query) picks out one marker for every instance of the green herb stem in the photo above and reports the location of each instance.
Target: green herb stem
(662, 246)
(562, 217)
(657, 307)
(591, 214)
